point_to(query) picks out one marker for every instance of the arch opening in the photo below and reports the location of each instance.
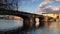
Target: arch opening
(37, 21)
(10, 22)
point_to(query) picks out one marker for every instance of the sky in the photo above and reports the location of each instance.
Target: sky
(39, 6)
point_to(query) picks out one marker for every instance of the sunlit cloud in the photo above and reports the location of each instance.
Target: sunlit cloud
(44, 3)
(41, 6)
(55, 8)
(39, 11)
(48, 9)
(51, 9)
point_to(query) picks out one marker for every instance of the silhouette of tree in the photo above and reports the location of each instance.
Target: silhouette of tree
(9, 4)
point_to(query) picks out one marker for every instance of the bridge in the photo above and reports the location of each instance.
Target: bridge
(29, 19)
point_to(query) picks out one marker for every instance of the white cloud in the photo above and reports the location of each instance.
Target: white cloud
(55, 8)
(48, 9)
(51, 9)
(45, 7)
(41, 6)
(39, 11)
(44, 3)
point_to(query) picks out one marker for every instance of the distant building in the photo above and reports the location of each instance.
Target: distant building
(50, 15)
(54, 15)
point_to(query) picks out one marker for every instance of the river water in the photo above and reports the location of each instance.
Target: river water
(51, 28)
(10, 24)
(48, 28)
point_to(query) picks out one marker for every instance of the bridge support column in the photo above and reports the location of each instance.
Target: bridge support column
(28, 22)
(41, 21)
(32, 22)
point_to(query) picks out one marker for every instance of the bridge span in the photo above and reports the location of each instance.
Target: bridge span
(29, 19)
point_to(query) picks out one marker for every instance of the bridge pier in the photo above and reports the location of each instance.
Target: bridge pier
(38, 21)
(28, 22)
(41, 21)
(32, 22)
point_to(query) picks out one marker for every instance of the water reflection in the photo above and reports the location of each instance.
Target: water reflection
(48, 28)
(53, 25)
(10, 24)
(18, 23)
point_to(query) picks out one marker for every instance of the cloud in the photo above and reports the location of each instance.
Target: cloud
(55, 8)
(44, 3)
(57, 0)
(45, 7)
(51, 9)
(40, 8)
(48, 9)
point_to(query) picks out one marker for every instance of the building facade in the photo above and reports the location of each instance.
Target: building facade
(53, 15)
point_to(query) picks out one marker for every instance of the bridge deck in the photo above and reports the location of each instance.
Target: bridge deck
(17, 13)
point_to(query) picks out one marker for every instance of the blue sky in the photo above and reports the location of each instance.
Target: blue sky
(31, 5)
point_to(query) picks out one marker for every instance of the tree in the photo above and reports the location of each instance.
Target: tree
(9, 4)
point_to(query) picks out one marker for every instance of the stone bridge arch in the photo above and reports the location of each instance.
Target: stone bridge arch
(28, 18)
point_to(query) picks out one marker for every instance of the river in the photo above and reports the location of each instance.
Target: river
(48, 28)
(10, 24)
(52, 28)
